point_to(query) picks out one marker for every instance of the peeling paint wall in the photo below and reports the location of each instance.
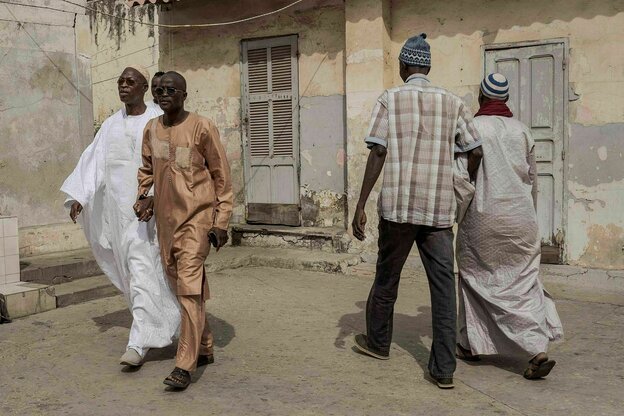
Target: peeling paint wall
(45, 115)
(209, 58)
(595, 29)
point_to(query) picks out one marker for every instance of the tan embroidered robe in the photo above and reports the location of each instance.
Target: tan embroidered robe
(188, 167)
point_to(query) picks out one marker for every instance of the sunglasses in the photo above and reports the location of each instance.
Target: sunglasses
(169, 90)
(131, 82)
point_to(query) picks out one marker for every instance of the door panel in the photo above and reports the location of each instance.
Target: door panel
(270, 130)
(536, 81)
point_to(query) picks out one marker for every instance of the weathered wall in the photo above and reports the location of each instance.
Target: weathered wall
(113, 44)
(367, 24)
(595, 29)
(209, 58)
(45, 112)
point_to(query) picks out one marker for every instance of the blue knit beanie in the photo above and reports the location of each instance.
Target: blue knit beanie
(416, 51)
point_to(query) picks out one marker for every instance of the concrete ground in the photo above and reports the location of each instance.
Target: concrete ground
(284, 347)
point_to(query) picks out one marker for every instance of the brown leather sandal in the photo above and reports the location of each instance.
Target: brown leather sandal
(203, 360)
(179, 378)
(539, 367)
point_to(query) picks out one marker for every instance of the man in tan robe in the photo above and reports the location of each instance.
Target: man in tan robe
(184, 160)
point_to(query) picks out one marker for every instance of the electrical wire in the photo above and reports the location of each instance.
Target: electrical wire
(180, 26)
(35, 6)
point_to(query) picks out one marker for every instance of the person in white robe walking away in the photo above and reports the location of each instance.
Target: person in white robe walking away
(503, 307)
(102, 188)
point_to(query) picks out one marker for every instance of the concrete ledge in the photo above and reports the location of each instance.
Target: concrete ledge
(293, 259)
(56, 268)
(23, 299)
(331, 240)
(84, 290)
(604, 280)
(44, 239)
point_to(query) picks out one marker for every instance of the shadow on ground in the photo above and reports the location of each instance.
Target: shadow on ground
(223, 332)
(408, 334)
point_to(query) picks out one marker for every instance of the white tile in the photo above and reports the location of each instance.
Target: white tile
(10, 227)
(1, 246)
(11, 246)
(1, 227)
(12, 278)
(11, 265)
(2, 271)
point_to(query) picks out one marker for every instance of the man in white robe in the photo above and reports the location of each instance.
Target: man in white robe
(503, 306)
(103, 188)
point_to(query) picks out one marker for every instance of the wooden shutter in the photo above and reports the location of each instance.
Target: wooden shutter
(270, 130)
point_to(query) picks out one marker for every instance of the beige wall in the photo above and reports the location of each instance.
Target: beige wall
(209, 58)
(595, 178)
(45, 116)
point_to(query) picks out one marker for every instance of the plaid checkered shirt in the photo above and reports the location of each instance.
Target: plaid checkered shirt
(421, 126)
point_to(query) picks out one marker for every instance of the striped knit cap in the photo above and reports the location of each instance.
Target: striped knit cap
(416, 51)
(495, 86)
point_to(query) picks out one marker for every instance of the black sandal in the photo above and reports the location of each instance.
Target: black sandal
(179, 378)
(539, 367)
(205, 360)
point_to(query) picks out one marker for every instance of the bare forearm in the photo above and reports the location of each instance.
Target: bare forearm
(533, 178)
(374, 165)
(474, 160)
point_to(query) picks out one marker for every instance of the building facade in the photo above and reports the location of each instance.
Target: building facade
(292, 94)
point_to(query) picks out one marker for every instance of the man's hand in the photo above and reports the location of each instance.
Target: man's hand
(144, 208)
(75, 210)
(220, 235)
(359, 223)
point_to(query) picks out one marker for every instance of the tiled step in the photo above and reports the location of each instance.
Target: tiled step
(24, 298)
(84, 290)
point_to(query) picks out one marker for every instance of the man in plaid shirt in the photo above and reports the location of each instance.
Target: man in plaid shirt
(415, 130)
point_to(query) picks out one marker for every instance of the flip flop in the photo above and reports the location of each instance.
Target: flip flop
(540, 369)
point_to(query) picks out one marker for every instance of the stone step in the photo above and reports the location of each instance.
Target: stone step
(24, 298)
(75, 279)
(281, 258)
(57, 268)
(84, 290)
(331, 239)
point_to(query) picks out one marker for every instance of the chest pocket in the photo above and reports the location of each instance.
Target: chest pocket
(183, 157)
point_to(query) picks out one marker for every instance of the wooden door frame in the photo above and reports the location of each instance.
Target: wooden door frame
(566, 129)
(296, 116)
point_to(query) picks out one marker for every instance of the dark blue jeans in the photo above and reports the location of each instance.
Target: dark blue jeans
(435, 246)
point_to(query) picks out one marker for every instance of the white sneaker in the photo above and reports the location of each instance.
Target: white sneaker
(131, 358)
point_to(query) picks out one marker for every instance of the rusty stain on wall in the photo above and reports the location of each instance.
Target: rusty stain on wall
(605, 246)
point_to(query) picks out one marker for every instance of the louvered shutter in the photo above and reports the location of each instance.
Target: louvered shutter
(271, 109)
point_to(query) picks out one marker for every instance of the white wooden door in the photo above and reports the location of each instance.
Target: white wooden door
(537, 98)
(270, 130)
